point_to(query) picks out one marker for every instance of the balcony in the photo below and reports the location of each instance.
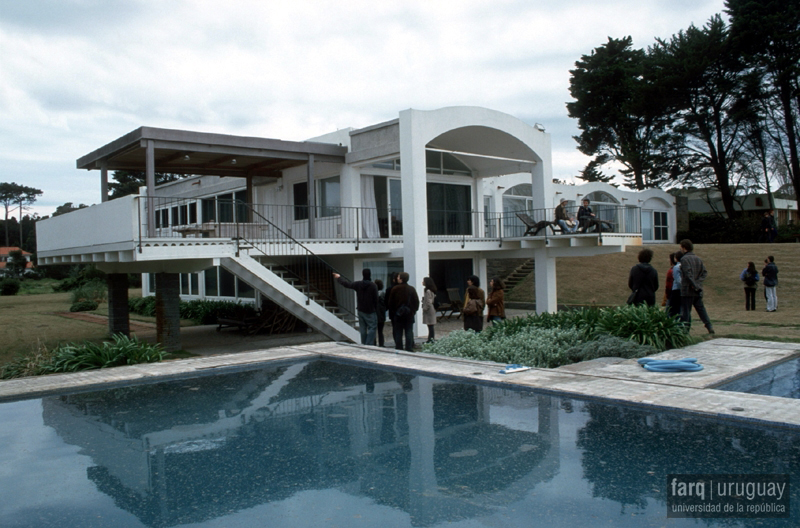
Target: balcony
(136, 228)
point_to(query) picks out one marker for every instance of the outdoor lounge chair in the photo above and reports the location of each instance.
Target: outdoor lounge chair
(456, 302)
(533, 227)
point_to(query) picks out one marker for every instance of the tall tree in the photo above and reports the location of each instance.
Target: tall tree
(767, 32)
(703, 79)
(13, 194)
(128, 182)
(618, 109)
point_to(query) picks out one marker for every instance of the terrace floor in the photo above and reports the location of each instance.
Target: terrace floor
(609, 380)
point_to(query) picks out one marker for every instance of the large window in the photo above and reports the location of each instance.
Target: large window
(329, 197)
(229, 207)
(449, 209)
(660, 225)
(300, 191)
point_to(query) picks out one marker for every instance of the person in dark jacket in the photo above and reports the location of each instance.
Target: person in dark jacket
(643, 280)
(381, 311)
(693, 274)
(770, 274)
(750, 278)
(403, 303)
(585, 216)
(366, 304)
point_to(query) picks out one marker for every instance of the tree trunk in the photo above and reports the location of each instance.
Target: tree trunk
(786, 101)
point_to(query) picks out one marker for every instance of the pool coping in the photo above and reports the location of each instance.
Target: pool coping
(618, 382)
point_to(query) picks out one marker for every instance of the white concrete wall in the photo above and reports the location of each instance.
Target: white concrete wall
(108, 223)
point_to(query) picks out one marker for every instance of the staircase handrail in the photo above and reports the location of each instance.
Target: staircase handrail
(308, 254)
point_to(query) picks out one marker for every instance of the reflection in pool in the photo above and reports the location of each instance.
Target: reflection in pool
(326, 444)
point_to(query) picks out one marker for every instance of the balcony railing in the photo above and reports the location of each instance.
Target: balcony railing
(178, 217)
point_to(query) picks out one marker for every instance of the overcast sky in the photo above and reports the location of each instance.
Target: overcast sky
(77, 74)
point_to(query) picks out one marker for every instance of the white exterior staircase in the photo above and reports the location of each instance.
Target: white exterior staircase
(329, 320)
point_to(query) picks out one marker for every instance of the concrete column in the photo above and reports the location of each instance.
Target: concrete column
(312, 199)
(168, 315)
(150, 179)
(103, 181)
(545, 278)
(118, 320)
(413, 187)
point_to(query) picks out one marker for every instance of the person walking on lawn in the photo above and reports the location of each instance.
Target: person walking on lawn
(693, 273)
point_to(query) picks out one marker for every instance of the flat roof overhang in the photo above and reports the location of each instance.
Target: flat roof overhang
(201, 153)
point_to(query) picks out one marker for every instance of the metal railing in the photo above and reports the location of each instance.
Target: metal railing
(306, 270)
(192, 218)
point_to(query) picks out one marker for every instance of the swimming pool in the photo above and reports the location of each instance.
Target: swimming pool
(781, 380)
(320, 443)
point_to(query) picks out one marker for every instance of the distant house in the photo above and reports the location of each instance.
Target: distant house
(5, 258)
(709, 201)
(261, 218)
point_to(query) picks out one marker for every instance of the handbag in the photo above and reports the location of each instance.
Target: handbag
(632, 297)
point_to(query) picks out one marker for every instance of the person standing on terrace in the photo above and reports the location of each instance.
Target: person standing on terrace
(366, 304)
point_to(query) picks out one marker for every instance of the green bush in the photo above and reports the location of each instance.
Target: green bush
(551, 340)
(532, 346)
(646, 325)
(709, 228)
(72, 357)
(94, 290)
(9, 286)
(604, 345)
(142, 305)
(199, 311)
(83, 306)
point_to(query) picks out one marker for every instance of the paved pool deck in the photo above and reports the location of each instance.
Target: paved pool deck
(607, 379)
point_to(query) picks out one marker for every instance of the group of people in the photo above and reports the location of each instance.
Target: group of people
(684, 288)
(568, 224)
(475, 301)
(751, 278)
(768, 230)
(401, 302)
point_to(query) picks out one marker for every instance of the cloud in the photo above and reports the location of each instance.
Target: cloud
(76, 74)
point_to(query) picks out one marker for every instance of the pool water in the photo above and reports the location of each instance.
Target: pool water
(319, 443)
(781, 380)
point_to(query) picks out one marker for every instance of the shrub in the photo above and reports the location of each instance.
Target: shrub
(9, 286)
(94, 290)
(72, 357)
(142, 305)
(83, 306)
(199, 311)
(604, 345)
(646, 325)
(89, 356)
(532, 346)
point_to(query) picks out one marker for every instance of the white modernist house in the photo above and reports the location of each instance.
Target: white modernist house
(268, 218)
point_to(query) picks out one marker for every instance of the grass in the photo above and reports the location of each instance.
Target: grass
(603, 280)
(31, 322)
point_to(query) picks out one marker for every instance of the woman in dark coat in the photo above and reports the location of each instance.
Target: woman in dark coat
(643, 280)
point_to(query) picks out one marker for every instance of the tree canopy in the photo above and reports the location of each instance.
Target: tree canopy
(128, 182)
(715, 106)
(13, 194)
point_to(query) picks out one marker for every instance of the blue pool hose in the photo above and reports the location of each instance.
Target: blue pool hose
(671, 365)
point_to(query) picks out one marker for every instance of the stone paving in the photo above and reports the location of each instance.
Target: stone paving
(608, 380)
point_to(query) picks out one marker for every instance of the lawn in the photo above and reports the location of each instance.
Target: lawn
(28, 321)
(603, 280)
